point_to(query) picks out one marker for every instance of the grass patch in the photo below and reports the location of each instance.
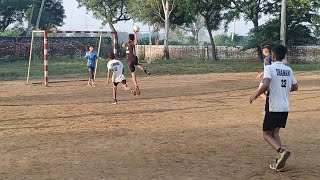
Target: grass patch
(76, 68)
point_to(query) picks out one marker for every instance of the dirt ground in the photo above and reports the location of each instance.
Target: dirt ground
(181, 127)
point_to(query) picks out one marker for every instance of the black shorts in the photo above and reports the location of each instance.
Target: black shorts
(132, 63)
(124, 82)
(274, 120)
(91, 72)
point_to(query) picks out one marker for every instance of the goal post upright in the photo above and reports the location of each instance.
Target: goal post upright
(99, 49)
(45, 57)
(45, 47)
(30, 57)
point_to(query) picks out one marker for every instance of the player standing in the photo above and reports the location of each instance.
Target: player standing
(279, 81)
(266, 50)
(116, 68)
(91, 56)
(133, 60)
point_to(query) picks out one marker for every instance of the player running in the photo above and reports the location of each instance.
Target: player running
(133, 60)
(116, 68)
(266, 50)
(279, 81)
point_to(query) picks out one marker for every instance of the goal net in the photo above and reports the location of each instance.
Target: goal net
(62, 53)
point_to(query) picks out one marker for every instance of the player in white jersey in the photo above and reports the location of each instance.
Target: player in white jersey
(116, 68)
(266, 50)
(279, 81)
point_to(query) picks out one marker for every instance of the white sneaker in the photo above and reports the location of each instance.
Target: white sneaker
(115, 101)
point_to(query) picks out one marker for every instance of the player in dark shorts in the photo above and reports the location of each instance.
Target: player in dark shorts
(133, 60)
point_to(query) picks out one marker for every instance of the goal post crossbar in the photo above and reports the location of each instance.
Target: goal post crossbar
(45, 47)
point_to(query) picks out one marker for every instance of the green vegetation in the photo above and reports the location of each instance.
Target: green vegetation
(76, 68)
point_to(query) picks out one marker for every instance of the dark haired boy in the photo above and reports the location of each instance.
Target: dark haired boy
(266, 50)
(133, 60)
(279, 81)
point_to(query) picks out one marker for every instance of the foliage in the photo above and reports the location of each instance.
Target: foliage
(12, 11)
(52, 16)
(225, 40)
(151, 12)
(109, 11)
(212, 12)
(13, 32)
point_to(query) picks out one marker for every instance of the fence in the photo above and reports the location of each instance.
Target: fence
(297, 54)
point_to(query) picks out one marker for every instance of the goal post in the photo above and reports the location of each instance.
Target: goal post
(46, 53)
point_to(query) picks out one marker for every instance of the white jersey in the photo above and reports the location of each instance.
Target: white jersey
(116, 67)
(282, 80)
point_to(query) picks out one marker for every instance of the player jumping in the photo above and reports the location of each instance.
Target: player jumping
(133, 60)
(279, 81)
(116, 68)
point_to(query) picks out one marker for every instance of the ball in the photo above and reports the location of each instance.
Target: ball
(136, 29)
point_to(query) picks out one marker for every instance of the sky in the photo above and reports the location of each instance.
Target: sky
(81, 19)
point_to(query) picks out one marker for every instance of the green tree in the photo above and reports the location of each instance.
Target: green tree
(302, 19)
(12, 11)
(212, 12)
(52, 16)
(109, 11)
(163, 13)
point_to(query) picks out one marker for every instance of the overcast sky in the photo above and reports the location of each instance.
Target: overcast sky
(81, 19)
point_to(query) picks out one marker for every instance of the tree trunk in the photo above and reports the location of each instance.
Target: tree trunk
(255, 21)
(166, 17)
(212, 44)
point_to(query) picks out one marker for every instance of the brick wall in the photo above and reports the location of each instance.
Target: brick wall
(71, 47)
(298, 54)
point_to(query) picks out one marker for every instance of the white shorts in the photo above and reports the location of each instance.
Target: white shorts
(118, 79)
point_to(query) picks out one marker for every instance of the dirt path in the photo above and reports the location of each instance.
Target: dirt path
(181, 127)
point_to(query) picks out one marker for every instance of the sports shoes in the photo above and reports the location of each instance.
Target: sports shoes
(115, 101)
(133, 91)
(274, 166)
(283, 157)
(137, 90)
(147, 72)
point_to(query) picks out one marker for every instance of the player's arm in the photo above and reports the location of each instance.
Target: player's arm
(259, 75)
(135, 39)
(87, 55)
(108, 76)
(294, 87)
(261, 90)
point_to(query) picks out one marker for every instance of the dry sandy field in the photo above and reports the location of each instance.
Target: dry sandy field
(180, 127)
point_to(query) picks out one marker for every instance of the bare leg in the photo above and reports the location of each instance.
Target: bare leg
(140, 67)
(114, 92)
(144, 70)
(89, 82)
(126, 88)
(268, 136)
(276, 136)
(92, 82)
(134, 78)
